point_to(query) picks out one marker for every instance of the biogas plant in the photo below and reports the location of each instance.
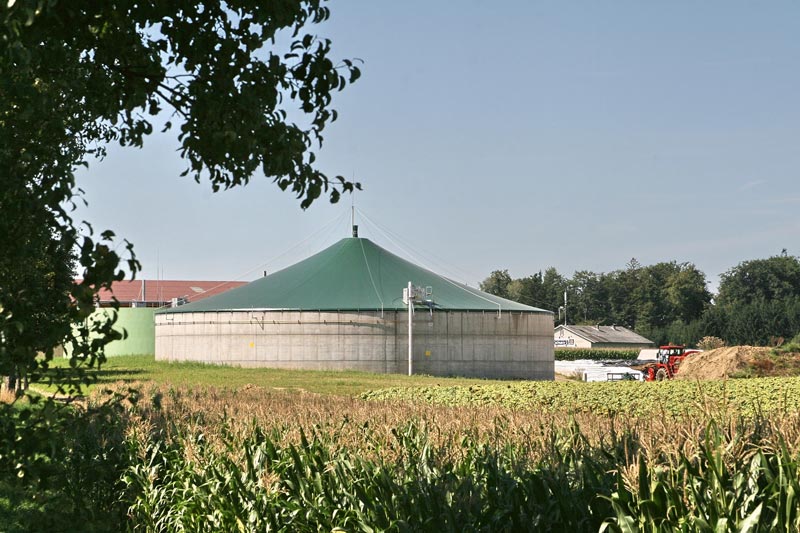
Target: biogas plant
(356, 306)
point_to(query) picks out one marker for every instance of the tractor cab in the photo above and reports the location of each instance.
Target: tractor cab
(668, 352)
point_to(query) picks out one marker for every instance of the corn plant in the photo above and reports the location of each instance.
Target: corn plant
(713, 491)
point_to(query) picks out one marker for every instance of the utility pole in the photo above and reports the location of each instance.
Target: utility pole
(565, 307)
(410, 329)
(411, 296)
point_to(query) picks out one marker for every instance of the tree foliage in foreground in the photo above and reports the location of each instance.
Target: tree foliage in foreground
(76, 76)
(79, 75)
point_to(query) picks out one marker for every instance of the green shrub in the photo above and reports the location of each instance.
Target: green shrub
(709, 342)
(793, 346)
(61, 466)
(595, 354)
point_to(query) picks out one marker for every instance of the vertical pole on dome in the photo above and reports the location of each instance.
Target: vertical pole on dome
(410, 329)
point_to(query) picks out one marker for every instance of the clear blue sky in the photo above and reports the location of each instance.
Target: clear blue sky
(514, 135)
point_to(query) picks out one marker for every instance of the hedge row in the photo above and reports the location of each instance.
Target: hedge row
(595, 354)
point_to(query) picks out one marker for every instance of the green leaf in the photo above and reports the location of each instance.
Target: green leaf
(750, 523)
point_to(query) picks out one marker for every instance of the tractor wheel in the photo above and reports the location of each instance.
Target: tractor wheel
(661, 374)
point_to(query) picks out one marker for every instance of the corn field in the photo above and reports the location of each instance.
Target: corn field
(259, 460)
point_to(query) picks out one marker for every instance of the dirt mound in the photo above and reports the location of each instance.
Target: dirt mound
(719, 363)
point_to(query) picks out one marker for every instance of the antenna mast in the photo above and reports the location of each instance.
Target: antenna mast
(353, 214)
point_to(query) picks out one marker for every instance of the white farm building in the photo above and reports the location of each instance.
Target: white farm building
(598, 337)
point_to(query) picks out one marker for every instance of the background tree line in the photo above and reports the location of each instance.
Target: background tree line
(758, 300)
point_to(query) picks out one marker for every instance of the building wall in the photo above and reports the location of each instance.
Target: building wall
(565, 339)
(478, 344)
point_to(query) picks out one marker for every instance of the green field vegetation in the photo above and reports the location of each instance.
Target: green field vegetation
(625, 398)
(144, 368)
(199, 448)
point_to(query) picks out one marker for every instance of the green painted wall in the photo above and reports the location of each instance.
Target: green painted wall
(140, 325)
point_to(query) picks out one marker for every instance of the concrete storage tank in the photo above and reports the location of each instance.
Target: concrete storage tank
(343, 309)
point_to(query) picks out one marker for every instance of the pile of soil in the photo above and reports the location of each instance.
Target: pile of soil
(720, 363)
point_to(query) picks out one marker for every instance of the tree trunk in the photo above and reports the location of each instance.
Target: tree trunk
(9, 382)
(12, 381)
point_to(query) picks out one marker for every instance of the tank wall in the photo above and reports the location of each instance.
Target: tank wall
(509, 345)
(512, 345)
(136, 321)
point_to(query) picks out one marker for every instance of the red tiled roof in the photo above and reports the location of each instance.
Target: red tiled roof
(163, 291)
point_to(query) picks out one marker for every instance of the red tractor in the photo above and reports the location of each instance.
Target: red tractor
(669, 360)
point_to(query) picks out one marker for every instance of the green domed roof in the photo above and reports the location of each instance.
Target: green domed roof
(353, 274)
